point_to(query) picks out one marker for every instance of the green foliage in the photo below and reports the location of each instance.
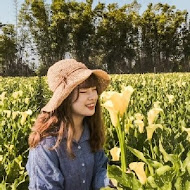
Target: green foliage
(7, 50)
(13, 56)
(166, 155)
(20, 101)
(127, 180)
(114, 38)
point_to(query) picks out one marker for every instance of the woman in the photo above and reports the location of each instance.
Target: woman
(66, 143)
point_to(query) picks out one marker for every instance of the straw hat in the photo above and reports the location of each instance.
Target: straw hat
(67, 74)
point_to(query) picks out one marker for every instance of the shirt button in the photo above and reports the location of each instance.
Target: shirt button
(83, 181)
(83, 164)
(79, 147)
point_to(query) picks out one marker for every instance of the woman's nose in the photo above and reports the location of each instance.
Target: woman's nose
(93, 95)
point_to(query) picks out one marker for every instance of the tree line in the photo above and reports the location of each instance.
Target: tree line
(116, 39)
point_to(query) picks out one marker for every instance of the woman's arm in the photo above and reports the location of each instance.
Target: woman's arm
(43, 168)
(100, 178)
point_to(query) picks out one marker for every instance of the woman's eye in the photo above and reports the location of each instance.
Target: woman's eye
(82, 91)
(86, 90)
(93, 88)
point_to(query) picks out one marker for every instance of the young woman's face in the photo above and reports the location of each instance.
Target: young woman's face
(85, 104)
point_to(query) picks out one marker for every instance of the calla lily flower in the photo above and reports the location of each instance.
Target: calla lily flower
(183, 83)
(1, 103)
(156, 104)
(24, 116)
(2, 96)
(112, 111)
(138, 168)
(115, 153)
(140, 124)
(128, 125)
(14, 114)
(150, 130)
(27, 100)
(179, 83)
(170, 98)
(188, 132)
(16, 94)
(1, 158)
(139, 116)
(126, 95)
(117, 103)
(8, 112)
(144, 83)
(152, 115)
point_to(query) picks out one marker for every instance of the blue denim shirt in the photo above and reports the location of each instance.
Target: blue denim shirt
(55, 170)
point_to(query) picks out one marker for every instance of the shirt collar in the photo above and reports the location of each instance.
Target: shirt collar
(85, 134)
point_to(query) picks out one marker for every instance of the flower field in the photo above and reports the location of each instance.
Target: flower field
(147, 120)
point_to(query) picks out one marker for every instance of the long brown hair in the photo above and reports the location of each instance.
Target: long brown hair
(57, 122)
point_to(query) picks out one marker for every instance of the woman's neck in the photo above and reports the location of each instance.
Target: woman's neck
(78, 125)
(78, 122)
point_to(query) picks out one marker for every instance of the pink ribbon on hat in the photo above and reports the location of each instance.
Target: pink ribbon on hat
(64, 78)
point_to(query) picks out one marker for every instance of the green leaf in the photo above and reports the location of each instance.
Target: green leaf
(167, 186)
(151, 182)
(186, 163)
(3, 185)
(163, 176)
(178, 184)
(164, 153)
(155, 164)
(14, 169)
(138, 154)
(163, 170)
(124, 179)
(106, 188)
(187, 185)
(19, 180)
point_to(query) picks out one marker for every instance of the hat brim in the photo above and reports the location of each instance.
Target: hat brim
(63, 90)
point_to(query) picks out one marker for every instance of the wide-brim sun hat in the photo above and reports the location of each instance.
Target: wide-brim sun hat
(65, 75)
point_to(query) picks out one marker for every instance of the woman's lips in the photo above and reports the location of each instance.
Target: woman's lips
(90, 106)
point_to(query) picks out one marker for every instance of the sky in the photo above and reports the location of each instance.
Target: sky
(7, 7)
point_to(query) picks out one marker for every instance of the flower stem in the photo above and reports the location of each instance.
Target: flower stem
(121, 137)
(151, 149)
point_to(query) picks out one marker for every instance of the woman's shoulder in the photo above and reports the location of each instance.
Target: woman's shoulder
(48, 141)
(43, 153)
(45, 145)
